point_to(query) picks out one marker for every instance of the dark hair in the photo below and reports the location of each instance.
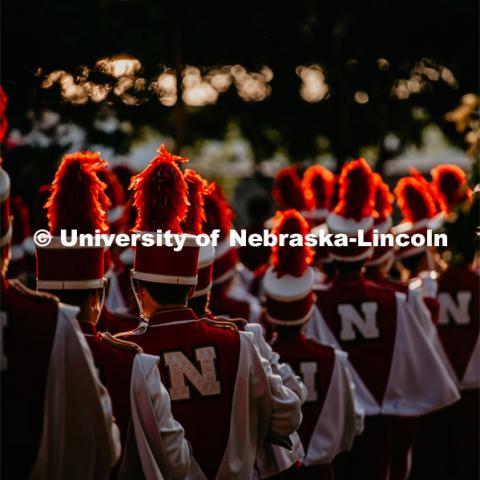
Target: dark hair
(166, 293)
(328, 269)
(412, 262)
(78, 298)
(288, 330)
(259, 208)
(348, 267)
(200, 304)
(75, 297)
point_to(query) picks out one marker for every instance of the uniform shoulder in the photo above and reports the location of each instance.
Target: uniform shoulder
(123, 344)
(222, 322)
(24, 291)
(115, 322)
(237, 321)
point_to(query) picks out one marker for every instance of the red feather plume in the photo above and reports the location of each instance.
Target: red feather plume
(77, 199)
(287, 189)
(218, 213)
(198, 188)
(430, 187)
(160, 194)
(383, 199)
(451, 183)
(414, 200)
(288, 260)
(356, 191)
(318, 184)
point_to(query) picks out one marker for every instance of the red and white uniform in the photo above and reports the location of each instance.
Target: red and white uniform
(396, 369)
(425, 287)
(420, 296)
(331, 418)
(447, 446)
(236, 302)
(218, 372)
(59, 423)
(274, 459)
(459, 323)
(141, 406)
(372, 323)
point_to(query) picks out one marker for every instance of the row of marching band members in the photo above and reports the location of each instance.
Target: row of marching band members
(200, 360)
(229, 404)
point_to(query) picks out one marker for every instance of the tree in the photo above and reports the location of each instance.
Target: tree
(368, 53)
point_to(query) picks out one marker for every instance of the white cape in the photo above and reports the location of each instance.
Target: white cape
(80, 439)
(418, 383)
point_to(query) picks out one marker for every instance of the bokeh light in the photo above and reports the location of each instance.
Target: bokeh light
(314, 87)
(361, 97)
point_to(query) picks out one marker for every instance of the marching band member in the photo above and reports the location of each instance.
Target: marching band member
(318, 185)
(116, 219)
(229, 295)
(377, 328)
(153, 442)
(448, 443)
(51, 394)
(50, 391)
(242, 403)
(330, 417)
(419, 214)
(377, 267)
(271, 459)
(198, 189)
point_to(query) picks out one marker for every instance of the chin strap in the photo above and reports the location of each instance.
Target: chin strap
(104, 294)
(144, 319)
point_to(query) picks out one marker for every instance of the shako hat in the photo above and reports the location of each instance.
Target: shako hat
(318, 185)
(451, 184)
(354, 211)
(219, 216)
(383, 220)
(418, 210)
(288, 281)
(160, 198)
(193, 223)
(76, 203)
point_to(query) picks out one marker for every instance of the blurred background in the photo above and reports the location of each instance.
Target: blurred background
(241, 88)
